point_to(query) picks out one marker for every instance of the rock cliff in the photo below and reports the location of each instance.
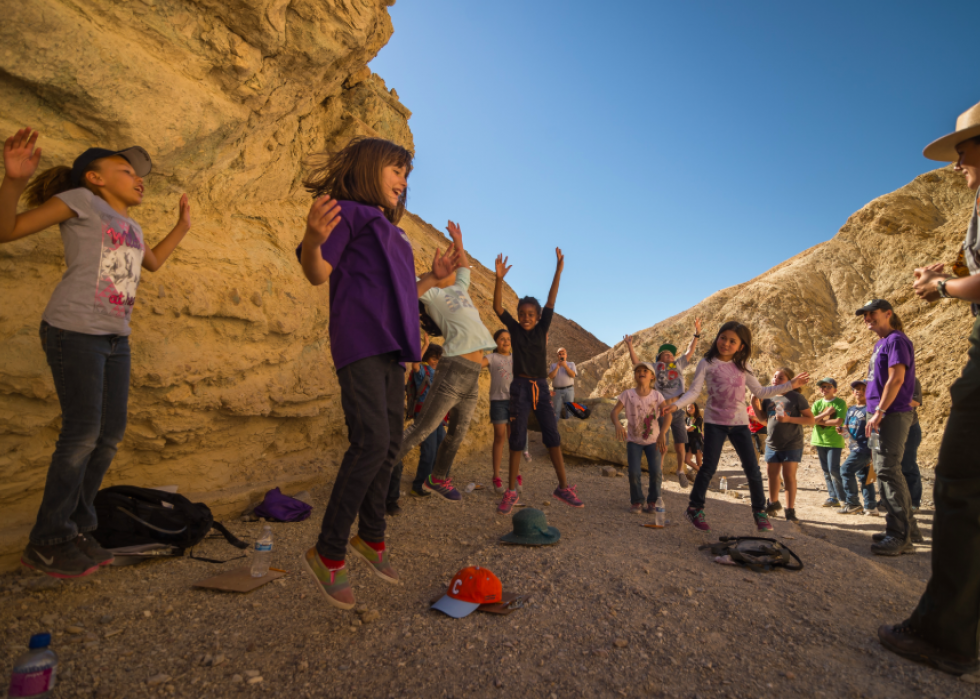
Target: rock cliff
(233, 389)
(801, 312)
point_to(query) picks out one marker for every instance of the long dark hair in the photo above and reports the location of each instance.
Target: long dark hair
(354, 173)
(742, 356)
(697, 412)
(428, 324)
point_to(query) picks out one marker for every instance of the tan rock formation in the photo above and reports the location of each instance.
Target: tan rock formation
(233, 389)
(801, 312)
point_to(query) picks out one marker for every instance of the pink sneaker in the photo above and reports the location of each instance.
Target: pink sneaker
(762, 522)
(498, 486)
(507, 504)
(697, 519)
(568, 496)
(520, 483)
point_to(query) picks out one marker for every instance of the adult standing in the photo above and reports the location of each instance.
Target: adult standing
(910, 460)
(562, 375)
(891, 380)
(943, 629)
(670, 384)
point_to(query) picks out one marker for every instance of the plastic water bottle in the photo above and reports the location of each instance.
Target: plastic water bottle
(469, 488)
(659, 513)
(780, 410)
(723, 485)
(874, 442)
(34, 672)
(263, 553)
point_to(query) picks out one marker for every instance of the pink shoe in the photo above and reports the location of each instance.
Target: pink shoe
(498, 486)
(568, 496)
(507, 504)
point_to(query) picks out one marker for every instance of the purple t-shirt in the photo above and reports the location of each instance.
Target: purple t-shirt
(374, 303)
(893, 349)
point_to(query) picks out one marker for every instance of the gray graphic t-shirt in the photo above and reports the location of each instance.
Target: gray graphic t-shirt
(501, 375)
(104, 252)
(670, 377)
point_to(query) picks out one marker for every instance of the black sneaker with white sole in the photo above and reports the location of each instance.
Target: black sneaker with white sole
(891, 546)
(90, 547)
(916, 537)
(63, 560)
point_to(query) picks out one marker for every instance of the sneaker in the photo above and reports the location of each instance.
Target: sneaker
(64, 560)
(916, 537)
(773, 507)
(567, 495)
(762, 522)
(891, 546)
(520, 483)
(831, 502)
(90, 547)
(444, 488)
(682, 479)
(650, 508)
(419, 493)
(378, 560)
(882, 509)
(696, 518)
(902, 640)
(636, 508)
(850, 510)
(498, 486)
(393, 509)
(527, 456)
(507, 503)
(791, 515)
(872, 512)
(334, 584)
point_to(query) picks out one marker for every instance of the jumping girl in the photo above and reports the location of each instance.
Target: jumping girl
(354, 244)
(695, 437)
(725, 368)
(85, 327)
(529, 390)
(501, 365)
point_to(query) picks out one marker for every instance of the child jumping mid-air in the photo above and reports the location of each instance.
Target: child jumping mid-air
(529, 389)
(85, 326)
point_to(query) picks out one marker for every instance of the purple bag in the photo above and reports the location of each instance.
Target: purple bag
(282, 508)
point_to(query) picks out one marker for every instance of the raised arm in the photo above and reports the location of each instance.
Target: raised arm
(694, 340)
(20, 161)
(760, 391)
(154, 258)
(320, 222)
(501, 269)
(443, 265)
(628, 339)
(553, 294)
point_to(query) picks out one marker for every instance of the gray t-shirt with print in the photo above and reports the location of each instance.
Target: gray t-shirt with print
(670, 377)
(501, 375)
(104, 252)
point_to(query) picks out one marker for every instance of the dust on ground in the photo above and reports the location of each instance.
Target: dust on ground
(616, 609)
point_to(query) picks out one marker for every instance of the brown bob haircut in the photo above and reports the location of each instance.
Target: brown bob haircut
(354, 173)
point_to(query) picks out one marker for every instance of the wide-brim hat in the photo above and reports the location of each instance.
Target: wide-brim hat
(531, 529)
(967, 126)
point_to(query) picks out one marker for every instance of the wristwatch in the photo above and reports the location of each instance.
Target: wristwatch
(697, 334)
(941, 288)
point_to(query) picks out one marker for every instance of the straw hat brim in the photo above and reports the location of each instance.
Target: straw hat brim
(541, 539)
(944, 149)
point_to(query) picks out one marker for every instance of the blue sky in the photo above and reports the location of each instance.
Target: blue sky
(671, 149)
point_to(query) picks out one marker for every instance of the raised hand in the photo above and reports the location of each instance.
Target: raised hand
(445, 264)
(184, 215)
(20, 157)
(501, 266)
(697, 326)
(801, 380)
(628, 340)
(462, 259)
(561, 259)
(323, 218)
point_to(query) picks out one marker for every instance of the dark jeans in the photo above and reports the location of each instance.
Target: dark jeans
(427, 457)
(893, 432)
(910, 464)
(854, 476)
(91, 377)
(948, 615)
(830, 464)
(527, 395)
(714, 440)
(634, 459)
(372, 395)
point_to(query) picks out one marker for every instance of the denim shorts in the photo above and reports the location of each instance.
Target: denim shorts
(500, 412)
(781, 457)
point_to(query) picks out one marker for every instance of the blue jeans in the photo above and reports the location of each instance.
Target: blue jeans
(91, 377)
(854, 471)
(830, 463)
(634, 459)
(427, 456)
(910, 464)
(741, 439)
(562, 396)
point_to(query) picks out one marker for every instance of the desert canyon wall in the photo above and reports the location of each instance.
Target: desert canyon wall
(801, 312)
(233, 390)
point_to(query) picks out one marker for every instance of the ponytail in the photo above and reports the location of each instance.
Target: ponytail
(896, 323)
(52, 181)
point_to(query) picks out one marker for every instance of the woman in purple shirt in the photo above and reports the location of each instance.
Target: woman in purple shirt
(374, 330)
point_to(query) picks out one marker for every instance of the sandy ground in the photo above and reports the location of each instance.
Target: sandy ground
(616, 609)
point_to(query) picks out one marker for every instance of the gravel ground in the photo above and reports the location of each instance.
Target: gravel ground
(616, 609)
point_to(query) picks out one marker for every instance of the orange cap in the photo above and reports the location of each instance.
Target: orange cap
(468, 589)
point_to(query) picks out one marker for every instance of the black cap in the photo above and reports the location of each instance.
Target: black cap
(873, 305)
(134, 155)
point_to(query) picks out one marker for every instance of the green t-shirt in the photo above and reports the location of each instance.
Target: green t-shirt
(827, 436)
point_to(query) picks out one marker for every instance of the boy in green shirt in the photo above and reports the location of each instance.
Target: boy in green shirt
(830, 411)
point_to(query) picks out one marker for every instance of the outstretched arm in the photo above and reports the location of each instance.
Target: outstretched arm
(628, 339)
(20, 161)
(553, 294)
(694, 340)
(154, 258)
(498, 286)
(443, 265)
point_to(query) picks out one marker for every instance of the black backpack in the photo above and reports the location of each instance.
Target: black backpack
(755, 553)
(131, 516)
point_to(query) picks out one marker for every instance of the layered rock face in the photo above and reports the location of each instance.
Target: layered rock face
(233, 389)
(801, 312)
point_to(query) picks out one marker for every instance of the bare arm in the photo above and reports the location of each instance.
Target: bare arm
(553, 293)
(498, 285)
(926, 278)
(553, 374)
(694, 340)
(20, 161)
(320, 222)
(614, 416)
(153, 259)
(628, 339)
(896, 377)
(570, 371)
(806, 419)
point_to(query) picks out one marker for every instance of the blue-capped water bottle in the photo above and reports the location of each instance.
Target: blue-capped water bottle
(34, 672)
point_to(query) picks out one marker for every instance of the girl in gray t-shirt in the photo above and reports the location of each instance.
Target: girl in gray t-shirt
(85, 326)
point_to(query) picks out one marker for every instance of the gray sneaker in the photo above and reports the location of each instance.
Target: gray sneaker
(63, 560)
(90, 547)
(682, 479)
(890, 546)
(850, 510)
(871, 512)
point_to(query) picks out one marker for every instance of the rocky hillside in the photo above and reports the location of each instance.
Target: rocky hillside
(801, 312)
(233, 390)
